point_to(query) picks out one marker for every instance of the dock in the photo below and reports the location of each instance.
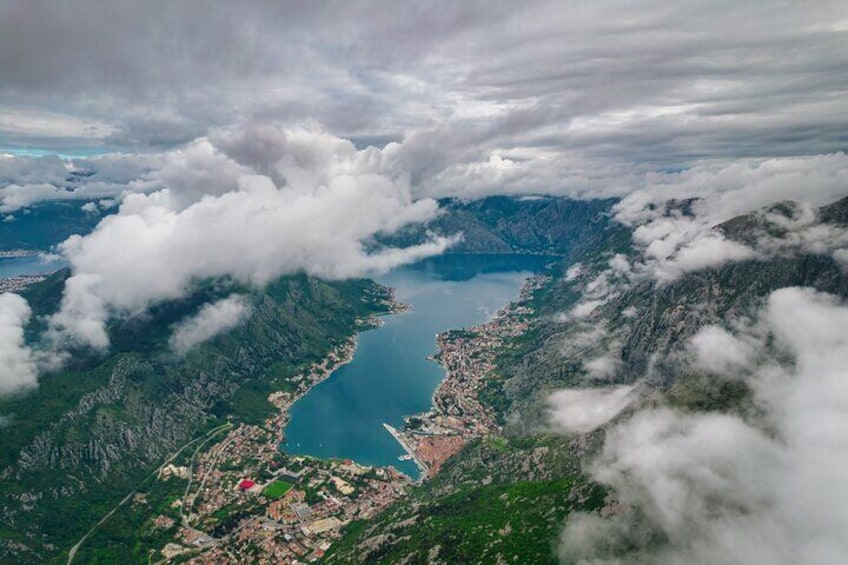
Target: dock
(410, 452)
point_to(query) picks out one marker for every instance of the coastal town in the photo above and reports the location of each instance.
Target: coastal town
(469, 358)
(18, 253)
(242, 499)
(19, 282)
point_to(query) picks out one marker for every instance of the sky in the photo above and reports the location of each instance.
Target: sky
(581, 99)
(655, 84)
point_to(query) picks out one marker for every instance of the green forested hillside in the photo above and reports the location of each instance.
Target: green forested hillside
(501, 500)
(89, 433)
(500, 224)
(464, 512)
(85, 439)
(45, 224)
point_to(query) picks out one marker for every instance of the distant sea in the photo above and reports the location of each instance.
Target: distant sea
(63, 153)
(31, 265)
(390, 376)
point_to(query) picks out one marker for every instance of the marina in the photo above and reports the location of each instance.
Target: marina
(410, 452)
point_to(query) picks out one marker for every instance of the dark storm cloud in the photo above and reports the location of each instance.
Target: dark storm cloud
(654, 83)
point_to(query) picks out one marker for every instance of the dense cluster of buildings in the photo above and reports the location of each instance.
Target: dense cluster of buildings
(20, 282)
(469, 358)
(245, 501)
(17, 253)
(300, 525)
(17, 284)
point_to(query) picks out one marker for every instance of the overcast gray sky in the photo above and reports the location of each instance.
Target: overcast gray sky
(662, 83)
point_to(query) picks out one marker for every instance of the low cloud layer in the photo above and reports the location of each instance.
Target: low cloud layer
(211, 320)
(718, 488)
(678, 238)
(719, 352)
(676, 221)
(258, 139)
(18, 369)
(298, 201)
(583, 410)
(25, 181)
(487, 96)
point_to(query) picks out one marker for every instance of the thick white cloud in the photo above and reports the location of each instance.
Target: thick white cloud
(25, 181)
(672, 242)
(841, 256)
(718, 351)
(604, 366)
(40, 124)
(717, 488)
(314, 210)
(199, 169)
(582, 410)
(582, 310)
(18, 369)
(24, 170)
(82, 318)
(710, 249)
(728, 189)
(573, 272)
(211, 320)
(801, 232)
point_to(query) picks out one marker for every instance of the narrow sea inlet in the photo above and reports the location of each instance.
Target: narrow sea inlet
(29, 265)
(390, 376)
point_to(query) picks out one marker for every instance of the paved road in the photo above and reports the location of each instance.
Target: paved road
(186, 519)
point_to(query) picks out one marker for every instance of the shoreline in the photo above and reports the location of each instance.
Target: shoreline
(422, 468)
(236, 471)
(348, 353)
(232, 514)
(456, 416)
(335, 359)
(19, 253)
(467, 355)
(18, 283)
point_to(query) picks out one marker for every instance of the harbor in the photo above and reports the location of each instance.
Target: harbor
(410, 452)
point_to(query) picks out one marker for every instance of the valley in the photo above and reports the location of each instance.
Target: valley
(221, 484)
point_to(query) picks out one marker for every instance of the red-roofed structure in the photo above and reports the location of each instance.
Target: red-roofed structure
(246, 484)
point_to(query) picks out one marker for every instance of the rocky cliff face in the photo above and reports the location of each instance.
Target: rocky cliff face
(641, 327)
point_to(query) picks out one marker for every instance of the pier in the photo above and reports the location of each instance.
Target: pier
(405, 445)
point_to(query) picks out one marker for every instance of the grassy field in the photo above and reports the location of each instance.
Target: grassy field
(276, 490)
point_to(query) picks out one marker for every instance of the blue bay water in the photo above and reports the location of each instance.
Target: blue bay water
(390, 376)
(31, 265)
